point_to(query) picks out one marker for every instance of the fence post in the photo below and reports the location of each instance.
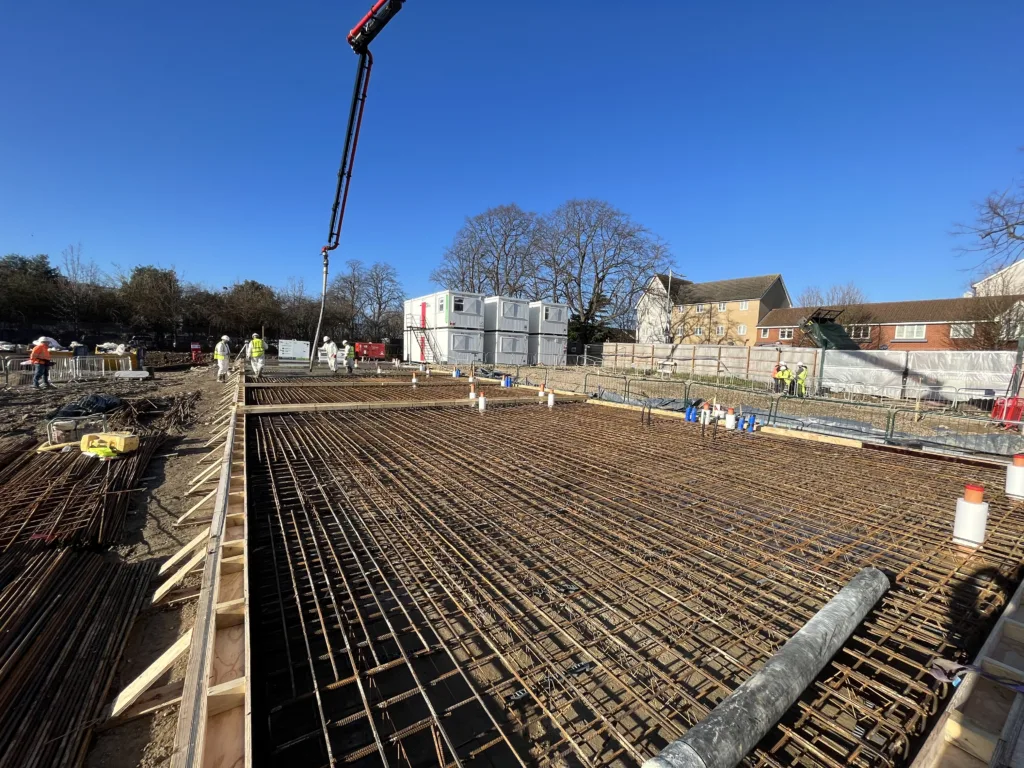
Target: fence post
(586, 377)
(693, 359)
(718, 362)
(746, 371)
(890, 425)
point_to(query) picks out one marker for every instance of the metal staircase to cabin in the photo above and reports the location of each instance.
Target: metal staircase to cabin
(426, 335)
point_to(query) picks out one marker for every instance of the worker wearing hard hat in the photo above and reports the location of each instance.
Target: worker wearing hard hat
(784, 378)
(255, 350)
(801, 380)
(331, 350)
(40, 359)
(222, 356)
(350, 354)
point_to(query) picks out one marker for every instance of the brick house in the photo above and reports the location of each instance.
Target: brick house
(984, 322)
(717, 312)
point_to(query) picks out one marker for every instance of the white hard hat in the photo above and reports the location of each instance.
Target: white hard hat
(803, 365)
(344, 341)
(41, 340)
(225, 338)
(255, 335)
(327, 338)
(783, 365)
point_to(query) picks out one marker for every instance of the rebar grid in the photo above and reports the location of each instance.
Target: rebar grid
(582, 588)
(458, 389)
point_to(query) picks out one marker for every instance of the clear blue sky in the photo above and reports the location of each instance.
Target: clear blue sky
(828, 143)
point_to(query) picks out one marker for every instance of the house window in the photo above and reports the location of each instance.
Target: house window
(719, 330)
(547, 313)
(764, 333)
(741, 329)
(961, 331)
(859, 332)
(744, 305)
(785, 334)
(910, 332)
(698, 332)
(458, 304)
(700, 308)
(440, 305)
(721, 306)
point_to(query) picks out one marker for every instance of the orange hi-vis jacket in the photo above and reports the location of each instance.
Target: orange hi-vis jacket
(40, 354)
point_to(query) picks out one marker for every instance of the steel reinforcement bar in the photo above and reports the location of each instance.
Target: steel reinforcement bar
(544, 586)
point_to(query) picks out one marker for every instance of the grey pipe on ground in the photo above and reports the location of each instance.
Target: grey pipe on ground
(738, 723)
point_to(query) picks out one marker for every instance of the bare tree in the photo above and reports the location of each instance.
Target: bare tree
(382, 302)
(834, 296)
(494, 252)
(604, 260)
(348, 289)
(996, 238)
(79, 289)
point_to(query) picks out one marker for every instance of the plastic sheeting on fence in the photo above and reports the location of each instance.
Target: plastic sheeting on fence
(985, 373)
(932, 375)
(875, 369)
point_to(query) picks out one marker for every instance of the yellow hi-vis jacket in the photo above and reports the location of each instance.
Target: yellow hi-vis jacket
(256, 348)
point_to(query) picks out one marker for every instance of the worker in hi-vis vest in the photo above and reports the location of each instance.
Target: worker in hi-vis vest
(222, 358)
(801, 380)
(350, 354)
(256, 352)
(331, 350)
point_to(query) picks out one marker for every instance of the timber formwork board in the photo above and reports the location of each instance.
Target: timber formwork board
(377, 393)
(567, 586)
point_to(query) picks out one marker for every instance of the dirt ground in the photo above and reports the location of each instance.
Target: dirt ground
(149, 534)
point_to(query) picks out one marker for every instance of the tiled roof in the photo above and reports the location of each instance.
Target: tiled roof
(972, 309)
(685, 292)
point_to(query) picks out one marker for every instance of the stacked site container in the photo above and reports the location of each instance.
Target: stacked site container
(549, 333)
(506, 322)
(444, 327)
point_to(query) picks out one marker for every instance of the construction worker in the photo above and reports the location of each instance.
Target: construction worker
(331, 350)
(775, 376)
(350, 354)
(40, 359)
(801, 380)
(783, 378)
(222, 357)
(256, 353)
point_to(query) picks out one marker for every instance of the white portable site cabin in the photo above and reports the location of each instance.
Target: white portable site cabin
(502, 348)
(503, 313)
(446, 309)
(545, 349)
(443, 345)
(549, 318)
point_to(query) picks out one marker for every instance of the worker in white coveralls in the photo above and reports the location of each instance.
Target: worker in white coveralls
(331, 350)
(349, 352)
(255, 350)
(222, 357)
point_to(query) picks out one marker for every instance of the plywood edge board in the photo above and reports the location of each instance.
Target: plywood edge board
(134, 690)
(193, 716)
(930, 754)
(970, 736)
(263, 410)
(153, 700)
(800, 434)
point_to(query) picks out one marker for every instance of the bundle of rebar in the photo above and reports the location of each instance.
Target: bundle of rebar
(65, 618)
(12, 448)
(69, 498)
